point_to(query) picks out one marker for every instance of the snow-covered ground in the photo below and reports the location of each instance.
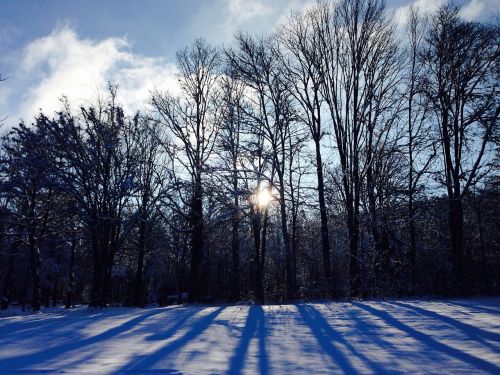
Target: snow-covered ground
(408, 336)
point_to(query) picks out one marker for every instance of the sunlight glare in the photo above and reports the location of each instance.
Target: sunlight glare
(263, 197)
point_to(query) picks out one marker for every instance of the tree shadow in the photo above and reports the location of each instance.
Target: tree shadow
(365, 328)
(163, 335)
(483, 309)
(255, 326)
(51, 353)
(430, 342)
(470, 331)
(327, 337)
(181, 316)
(46, 323)
(143, 363)
(168, 371)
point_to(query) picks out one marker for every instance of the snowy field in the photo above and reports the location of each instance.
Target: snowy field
(409, 336)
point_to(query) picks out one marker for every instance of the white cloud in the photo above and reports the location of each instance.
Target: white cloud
(474, 10)
(242, 10)
(424, 7)
(292, 7)
(64, 64)
(480, 9)
(255, 16)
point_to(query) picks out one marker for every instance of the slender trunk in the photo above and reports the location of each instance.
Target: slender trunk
(325, 237)
(71, 275)
(456, 233)
(138, 287)
(353, 228)
(290, 274)
(235, 241)
(235, 252)
(376, 235)
(55, 290)
(111, 247)
(413, 242)
(263, 246)
(95, 300)
(256, 223)
(35, 263)
(294, 238)
(411, 183)
(484, 269)
(107, 284)
(7, 282)
(197, 242)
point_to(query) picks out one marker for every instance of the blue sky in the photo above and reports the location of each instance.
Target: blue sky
(55, 47)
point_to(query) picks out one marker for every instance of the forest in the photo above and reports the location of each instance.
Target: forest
(338, 157)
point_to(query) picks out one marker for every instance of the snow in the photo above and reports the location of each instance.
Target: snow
(403, 336)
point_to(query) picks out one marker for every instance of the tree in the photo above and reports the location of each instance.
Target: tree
(257, 64)
(303, 71)
(421, 150)
(358, 66)
(192, 122)
(93, 159)
(151, 177)
(231, 153)
(31, 195)
(461, 84)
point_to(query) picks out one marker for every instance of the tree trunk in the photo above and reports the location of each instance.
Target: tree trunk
(290, 272)
(256, 223)
(456, 220)
(235, 252)
(197, 243)
(353, 229)
(138, 287)
(96, 294)
(325, 237)
(235, 240)
(35, 263)
(71, 275)
(7, 283)
(413, 243)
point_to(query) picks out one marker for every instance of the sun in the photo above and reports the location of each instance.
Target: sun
(263, 197)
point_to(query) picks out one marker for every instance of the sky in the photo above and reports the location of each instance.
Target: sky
(51, 48)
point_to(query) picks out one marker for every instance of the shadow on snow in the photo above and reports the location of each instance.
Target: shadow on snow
(255, 327)
(428, 341)
(145, 362)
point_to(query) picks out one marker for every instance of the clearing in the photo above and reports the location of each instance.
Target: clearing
(400, 336)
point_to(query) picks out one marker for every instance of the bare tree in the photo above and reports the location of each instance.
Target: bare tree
(303, 71)
(256, 62)
(461, 83)
(356, 41)
(32, 197)
(93, 159)
(420, 146)
(231, 153)
(151, 177)
(191, 119)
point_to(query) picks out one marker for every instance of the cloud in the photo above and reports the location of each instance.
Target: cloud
(480, 9)
(424, 7)
(243, 10)
(62, 63)
(295, 6)
(254, 16)
(474, 10)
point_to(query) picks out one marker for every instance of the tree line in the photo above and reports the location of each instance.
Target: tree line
(336, 157)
